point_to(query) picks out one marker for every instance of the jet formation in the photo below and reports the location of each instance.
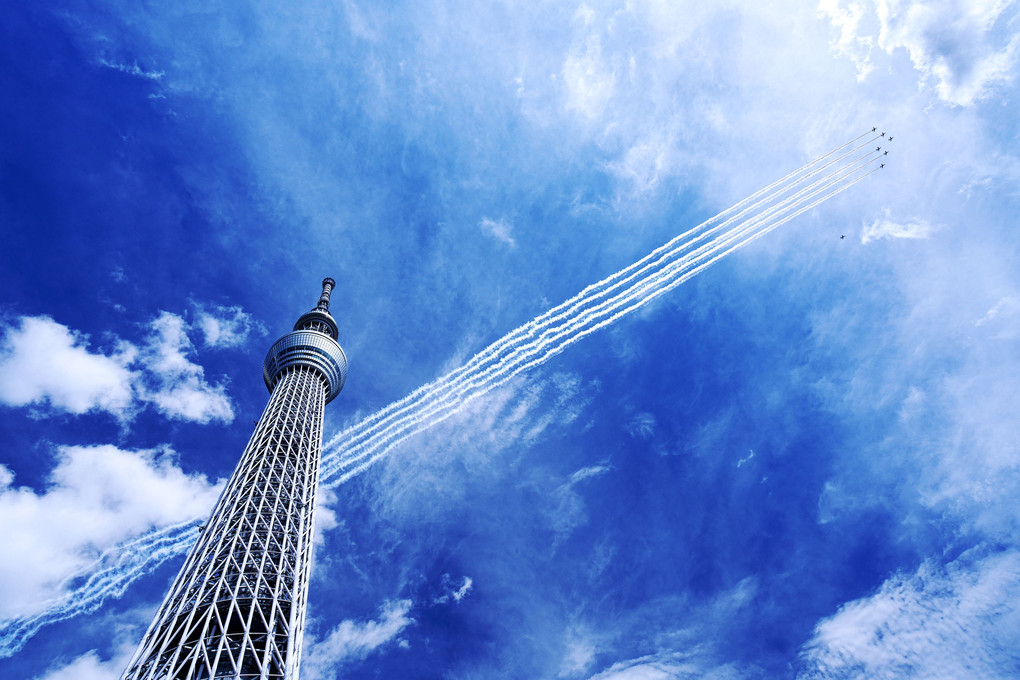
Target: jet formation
(880, 165)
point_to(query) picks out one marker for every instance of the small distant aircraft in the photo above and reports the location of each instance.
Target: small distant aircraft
(882, 135)
(882, 165)
(885, 153)
(890, 139)
(842, 236)
(878, 148)
(873, 129)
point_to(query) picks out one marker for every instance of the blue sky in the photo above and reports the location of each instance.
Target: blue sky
(801, 463)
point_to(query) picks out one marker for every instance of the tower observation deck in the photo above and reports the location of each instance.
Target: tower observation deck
(237, 607)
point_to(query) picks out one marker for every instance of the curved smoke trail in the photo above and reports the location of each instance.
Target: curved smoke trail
(353, 450)
(108, 576)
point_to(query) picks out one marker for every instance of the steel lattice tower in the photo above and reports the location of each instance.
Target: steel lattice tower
(237, 607)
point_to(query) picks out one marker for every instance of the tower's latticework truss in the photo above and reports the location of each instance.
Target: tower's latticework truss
(237, 607)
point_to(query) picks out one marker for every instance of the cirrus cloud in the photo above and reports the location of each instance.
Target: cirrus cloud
(940, 622)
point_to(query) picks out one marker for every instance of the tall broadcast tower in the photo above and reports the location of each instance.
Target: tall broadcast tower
(237, 608)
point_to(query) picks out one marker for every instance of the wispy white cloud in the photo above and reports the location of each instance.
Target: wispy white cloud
(96, 496)
(853, 41)
(967, 47)
(567, 509)
(666, 666)
(227, 326)
(464, 589)
(456, 594)
(44, 362)
(133, 69)
(954, 42)
(641, 426)
(1003, 319)
(499, 229)
(354, 640)
(589, 80)
(941, 622)
(886, 228)
(579, 654)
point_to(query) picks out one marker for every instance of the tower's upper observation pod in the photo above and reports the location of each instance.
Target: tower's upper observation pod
(313, 343)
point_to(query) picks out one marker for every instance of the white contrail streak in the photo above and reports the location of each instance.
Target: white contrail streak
(404, 418)
(383, 448)
(363, 429)
(108, 577)
(352, 445)
(601, 304)
(369, 428)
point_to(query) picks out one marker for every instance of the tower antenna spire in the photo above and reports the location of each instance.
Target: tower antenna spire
(328, 285)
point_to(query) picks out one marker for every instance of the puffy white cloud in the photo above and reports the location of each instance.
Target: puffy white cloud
(88, 666)
(91, 666)
(96, 497)
(853, 42)
(941, 622)
(968, 47)
(352, 640)
(180, 389)
(227, 326)
(44, 362)
(952, 41)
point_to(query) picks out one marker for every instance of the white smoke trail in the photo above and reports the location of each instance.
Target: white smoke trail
(530, 345)
(381, 449)
(370, 429)
(440, 397)
(447, 404)
(443, 403)
(364, 428)
(109, 576)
